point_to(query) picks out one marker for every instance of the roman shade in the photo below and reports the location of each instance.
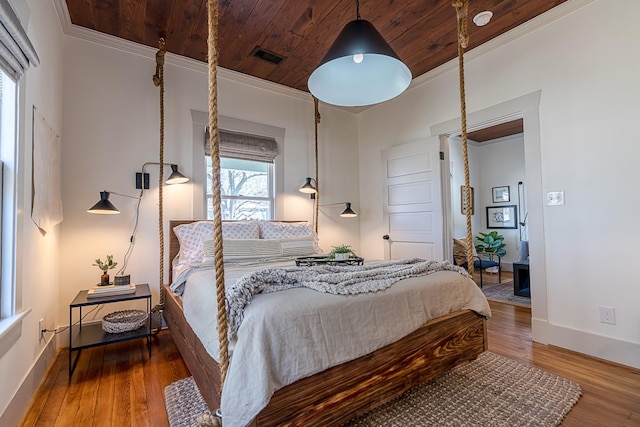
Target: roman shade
(16, 50)
(244, 146)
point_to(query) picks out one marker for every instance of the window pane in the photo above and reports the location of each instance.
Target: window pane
(246, 188)
(244, 178)
(239, 209)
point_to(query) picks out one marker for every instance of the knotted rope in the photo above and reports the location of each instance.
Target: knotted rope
(316, 119)
(214, 145)
(463, 41)
(158, 80)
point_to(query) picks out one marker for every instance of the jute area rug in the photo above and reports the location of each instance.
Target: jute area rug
(489, 391)
(503, 292)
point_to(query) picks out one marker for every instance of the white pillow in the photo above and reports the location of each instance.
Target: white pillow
(298, 246)
(190, 236)
(288, 230)
(284, 230)
(243, 248)
(249, 229)
(261, 248)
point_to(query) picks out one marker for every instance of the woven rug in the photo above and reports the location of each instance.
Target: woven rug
(503, 292)
(489, 391)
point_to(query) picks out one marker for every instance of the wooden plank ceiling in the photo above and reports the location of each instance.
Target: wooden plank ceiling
(422, 32)
(498, 131)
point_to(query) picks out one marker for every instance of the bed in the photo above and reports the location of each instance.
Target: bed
(341, 392)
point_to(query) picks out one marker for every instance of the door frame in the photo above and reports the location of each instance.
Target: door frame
(525, 107)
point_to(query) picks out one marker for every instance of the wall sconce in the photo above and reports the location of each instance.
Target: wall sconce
(142, 178)
(347, 212)
(104, 206)
(309, 188)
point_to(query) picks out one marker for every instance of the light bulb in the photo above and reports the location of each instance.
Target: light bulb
(358, 58)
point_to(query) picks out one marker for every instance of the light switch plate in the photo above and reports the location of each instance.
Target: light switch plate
(555, 198)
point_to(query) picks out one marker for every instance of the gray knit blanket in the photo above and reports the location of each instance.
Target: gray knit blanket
(338, 280)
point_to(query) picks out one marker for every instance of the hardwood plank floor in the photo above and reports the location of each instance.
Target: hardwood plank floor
(118, 385)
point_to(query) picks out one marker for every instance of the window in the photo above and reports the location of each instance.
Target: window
(246, 189)
(7, 193)
(246, 176)
(16, 55)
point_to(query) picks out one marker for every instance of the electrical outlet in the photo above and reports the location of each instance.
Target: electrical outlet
(41, 329)
(608, 315)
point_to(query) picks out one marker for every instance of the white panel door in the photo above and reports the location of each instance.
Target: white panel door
(412, 202)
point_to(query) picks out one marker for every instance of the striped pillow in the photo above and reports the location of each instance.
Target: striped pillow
(261, 248)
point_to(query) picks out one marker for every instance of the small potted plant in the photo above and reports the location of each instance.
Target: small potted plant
(105, 266)
(491, 243)
(341, 253)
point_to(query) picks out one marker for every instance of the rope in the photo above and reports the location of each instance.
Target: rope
(317, 200)
(215, 163)
(158, 80)
(463, 41)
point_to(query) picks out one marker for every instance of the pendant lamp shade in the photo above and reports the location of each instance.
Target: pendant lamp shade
(359, 69)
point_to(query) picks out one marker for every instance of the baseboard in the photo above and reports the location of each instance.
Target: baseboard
(599, 346)
(22, 399)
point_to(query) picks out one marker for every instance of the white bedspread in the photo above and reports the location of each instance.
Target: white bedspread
(289, 335)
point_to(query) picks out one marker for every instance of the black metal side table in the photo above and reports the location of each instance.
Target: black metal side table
(521, 282)
(86, 336)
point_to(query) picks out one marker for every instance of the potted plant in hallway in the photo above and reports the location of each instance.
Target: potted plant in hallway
(491, 244)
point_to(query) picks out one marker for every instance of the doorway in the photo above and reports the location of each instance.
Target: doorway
(525, 108)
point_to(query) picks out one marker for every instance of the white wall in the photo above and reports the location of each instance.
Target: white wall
(38, 257)
(112, 127)
(582, 65)
(501, 164)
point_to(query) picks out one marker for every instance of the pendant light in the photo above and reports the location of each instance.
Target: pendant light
(359, 69)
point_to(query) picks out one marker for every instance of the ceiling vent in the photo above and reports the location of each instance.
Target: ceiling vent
(261, 53)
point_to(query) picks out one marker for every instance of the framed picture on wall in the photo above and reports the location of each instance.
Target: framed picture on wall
(502, 217)
(463, 204)
(500, 194)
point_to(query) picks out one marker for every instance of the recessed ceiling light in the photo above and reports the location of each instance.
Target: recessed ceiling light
(482, 18)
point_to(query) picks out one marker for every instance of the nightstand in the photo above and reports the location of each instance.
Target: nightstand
(92, 335)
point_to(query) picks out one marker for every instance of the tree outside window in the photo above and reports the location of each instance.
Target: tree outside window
(246, 189)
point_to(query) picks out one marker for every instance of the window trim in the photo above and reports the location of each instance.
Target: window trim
(10, 317)
(8, 215)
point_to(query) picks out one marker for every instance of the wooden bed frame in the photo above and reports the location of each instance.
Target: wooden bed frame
(340, 393)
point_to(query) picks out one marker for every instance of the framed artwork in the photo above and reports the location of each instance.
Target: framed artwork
(500, 194)
(502, 217)
(463, 204)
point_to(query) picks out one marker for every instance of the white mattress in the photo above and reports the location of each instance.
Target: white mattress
(289, 335)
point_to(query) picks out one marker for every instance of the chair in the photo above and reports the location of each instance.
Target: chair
(479, 264)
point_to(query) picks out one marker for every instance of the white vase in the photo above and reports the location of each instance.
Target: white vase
(341, 257)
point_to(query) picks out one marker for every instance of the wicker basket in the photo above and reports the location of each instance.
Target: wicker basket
(123, 321)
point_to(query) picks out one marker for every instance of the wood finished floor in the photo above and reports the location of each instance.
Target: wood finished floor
(118, 385)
